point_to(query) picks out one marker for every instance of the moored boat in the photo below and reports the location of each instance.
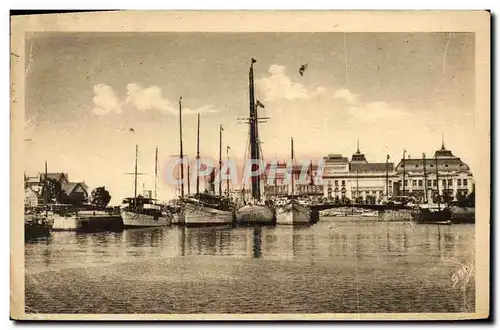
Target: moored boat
(143, 212)
(140, 211)
(37, 224)
(255, 214)
(293, 213)
(431, 215)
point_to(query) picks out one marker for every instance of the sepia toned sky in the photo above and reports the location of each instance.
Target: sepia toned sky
(393, 91)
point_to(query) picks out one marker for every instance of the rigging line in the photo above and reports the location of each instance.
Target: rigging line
(446, 51)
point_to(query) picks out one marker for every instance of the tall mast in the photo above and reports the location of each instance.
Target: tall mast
(46, 186)
(425, 178)
(254, 150)
(404, 172)
(293, 165)
(135, 172)
(227, 181)
(156, 171)
(180, 143)
(198, 157)
(437, 179)
(220, 159)
(188, 177)
(387, 177)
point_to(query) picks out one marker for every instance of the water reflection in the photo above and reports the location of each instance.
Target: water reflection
(324, 241)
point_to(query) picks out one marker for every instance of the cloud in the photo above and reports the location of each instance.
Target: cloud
(105, 100)
(346, 95)
(151, 98)
(279, 86)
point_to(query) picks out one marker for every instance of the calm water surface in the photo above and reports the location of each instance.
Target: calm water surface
(335, 266)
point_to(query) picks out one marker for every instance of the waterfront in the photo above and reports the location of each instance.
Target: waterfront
(338, 265)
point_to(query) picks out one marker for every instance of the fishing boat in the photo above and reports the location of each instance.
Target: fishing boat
(37, 223)
(255, 211)
(143, 211)
(430, 214)
(207, 208)
(293, 212)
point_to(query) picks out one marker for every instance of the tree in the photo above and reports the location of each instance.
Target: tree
(53, 191)
(100, 197)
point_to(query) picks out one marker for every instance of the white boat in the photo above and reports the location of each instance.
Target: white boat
(369, 214)
(255, 214)
(204, 209)
(293, 213)
(143, 212)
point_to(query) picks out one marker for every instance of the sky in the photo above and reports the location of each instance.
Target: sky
(393, 91)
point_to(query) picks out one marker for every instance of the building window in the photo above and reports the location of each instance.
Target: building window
(414, 183)
(465, 182)
(444, 183)
(459, 182)
(343, 183)
(446, 165)
(406, 183)
(416, 165)
(432, 165)
(420, 183)
(336, 183)
(450, 182)
(434, 183)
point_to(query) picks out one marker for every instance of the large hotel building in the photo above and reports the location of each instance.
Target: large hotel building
(359, 180)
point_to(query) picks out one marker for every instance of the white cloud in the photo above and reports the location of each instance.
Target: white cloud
(279, 86)
(346, 95)
(105, 100)
(151, 98)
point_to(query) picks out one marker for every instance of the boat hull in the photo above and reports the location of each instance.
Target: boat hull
(255, 214)
(432, 217)
(199, 215)
(293, 214)
(137, 220)
(36, 226)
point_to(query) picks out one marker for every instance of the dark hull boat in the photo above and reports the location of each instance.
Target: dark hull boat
(37, 225)
(430, 216)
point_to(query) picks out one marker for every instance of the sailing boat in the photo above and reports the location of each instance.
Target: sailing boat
(208, 208)
(254, 212)
(427, 213)
(142, 211)
(293, 213)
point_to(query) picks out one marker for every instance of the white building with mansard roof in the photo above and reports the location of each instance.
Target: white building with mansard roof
(454, 176)
(357, 179)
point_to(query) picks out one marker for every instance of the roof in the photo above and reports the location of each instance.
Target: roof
(54, 176)
(444, 164)
(371, 167)
(336, 158)
(69, 187)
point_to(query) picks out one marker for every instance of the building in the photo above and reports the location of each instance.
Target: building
(73, 192)
(305, 182)
(358, 179)
(419, 176)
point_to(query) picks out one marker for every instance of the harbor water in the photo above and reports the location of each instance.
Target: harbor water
(338, 265)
